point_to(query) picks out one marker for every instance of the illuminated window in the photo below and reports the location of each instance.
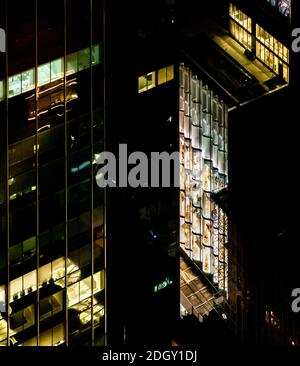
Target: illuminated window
(162, 76)
(170, 72)
(46, 338)
(72, 66)
(57, 69)
(73, 294)
(77, 61)
(44, 74)
(58, 335)
(96, 54)
(22, 286)
(29, 281)
(98, 284)
(28, 82)
(240, 34)
(240, 17)
(272, 53)
(14, 85)
(165, 74)
(84, 59)
(2, 94)
(146, 82)
(203, 169)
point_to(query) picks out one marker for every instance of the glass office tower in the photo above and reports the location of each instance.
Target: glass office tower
(52, 213)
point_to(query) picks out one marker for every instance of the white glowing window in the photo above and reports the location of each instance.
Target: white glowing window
(96, 55)
(197, 164)
(197, 194)
(44, 74)
(57, 69)
(98, 282)
(28, 80)
(2, 90)
(182, 230)
(72, 65)
(196, 141)
(196, 220)
(14, 85)
(84, 59)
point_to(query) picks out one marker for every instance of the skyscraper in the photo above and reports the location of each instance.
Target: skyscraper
(52, 216)
(80, 265)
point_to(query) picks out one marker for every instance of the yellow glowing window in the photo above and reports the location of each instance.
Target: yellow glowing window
(162, 76)
(240, 17)
(146, 82)
(170, 72)
(142, 84)
(273, 44)
(240, 34)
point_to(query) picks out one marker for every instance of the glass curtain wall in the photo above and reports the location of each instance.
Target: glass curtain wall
(52, 215)
(203, 171)
(251, 36)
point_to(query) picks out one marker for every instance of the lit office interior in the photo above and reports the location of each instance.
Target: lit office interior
(268, 50)
(155, 78)
(203, 171)
(52, 215)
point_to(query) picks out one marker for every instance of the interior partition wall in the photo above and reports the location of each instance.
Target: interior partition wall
(52, 213)
(203, 171)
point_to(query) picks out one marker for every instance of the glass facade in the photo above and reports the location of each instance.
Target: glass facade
(240, 26)
(253, 37)
(203, 171)
(52, 246)
(272, 53)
